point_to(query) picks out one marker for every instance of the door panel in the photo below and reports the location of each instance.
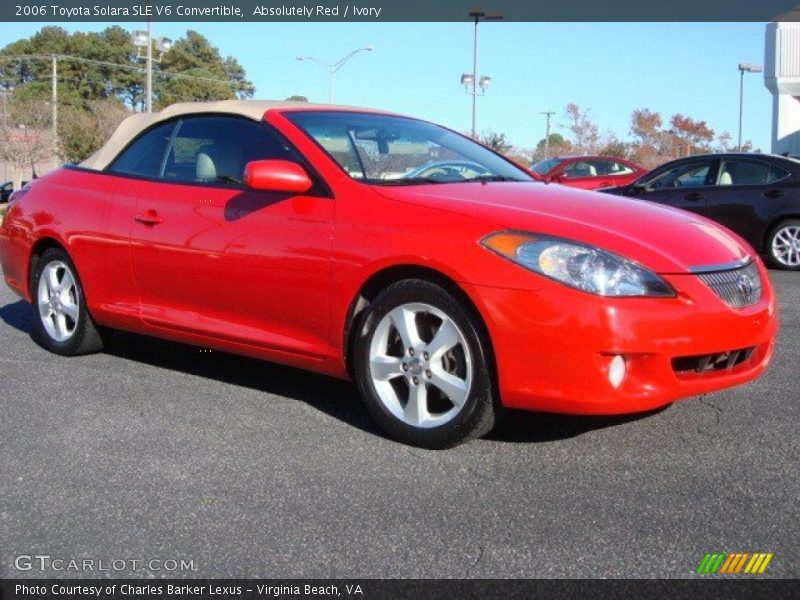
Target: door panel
(578, 174)
(684, 186)
(245, 266)
(213, 258)
(748, 196)
(693, 200)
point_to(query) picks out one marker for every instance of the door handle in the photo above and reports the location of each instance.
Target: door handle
(694, 196)
(772, 194)
(149, 218)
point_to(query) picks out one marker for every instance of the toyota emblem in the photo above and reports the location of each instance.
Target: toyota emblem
(745, 285)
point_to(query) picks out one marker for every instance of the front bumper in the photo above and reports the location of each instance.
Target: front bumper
(553, 347)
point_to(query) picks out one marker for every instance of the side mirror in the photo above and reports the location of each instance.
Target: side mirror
(638, 188)
(276, 176)
(558, 178)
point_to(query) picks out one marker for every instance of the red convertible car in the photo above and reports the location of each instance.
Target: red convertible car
(282, 231)
(588, 172)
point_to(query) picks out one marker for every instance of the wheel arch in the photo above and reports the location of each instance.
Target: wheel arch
(385, 277)
(41, 245)
(771, 227)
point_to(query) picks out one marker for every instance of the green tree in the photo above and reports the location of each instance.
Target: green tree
(614, 147)
(184, 73)
(557, 141)
(194, 62)
(100, 73)
(496, 141)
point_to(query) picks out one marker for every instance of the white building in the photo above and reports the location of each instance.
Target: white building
(782, 78)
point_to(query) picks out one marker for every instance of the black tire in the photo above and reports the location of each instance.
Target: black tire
(481, 410)
(85, 337)
(773, 261)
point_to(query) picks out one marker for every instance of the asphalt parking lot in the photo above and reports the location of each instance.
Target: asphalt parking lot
(157, 450)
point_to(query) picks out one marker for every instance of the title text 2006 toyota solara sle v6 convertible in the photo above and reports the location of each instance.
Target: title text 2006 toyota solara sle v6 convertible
(311, 236)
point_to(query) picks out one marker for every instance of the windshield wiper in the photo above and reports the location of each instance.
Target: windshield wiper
(409, 181)
(485, 178)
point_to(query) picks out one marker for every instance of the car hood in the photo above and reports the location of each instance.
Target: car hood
(664, 239)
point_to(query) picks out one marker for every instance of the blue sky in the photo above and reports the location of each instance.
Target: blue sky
(610, 68)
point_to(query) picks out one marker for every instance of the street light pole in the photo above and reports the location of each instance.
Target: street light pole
(142, 39)
(331, 84)
(333, 68)
(548, 114)
(54, 102)
(477, 15)
(744, 68)
(149, 78)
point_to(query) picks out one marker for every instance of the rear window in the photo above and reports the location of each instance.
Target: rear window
(543, 167)
(145, 155)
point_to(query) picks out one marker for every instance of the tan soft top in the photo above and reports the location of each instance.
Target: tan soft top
(135, 124)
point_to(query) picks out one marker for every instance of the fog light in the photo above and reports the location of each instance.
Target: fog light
(616, 370)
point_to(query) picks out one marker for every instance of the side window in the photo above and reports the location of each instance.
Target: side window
(743, 172)
(682, 176)
(145, 155)
(601, 167)
(581, 168)
(617, 168)
(215, 149)
(776, 174)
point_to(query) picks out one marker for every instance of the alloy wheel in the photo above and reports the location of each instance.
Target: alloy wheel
(420, 365)
(786, 245)
(57, 300)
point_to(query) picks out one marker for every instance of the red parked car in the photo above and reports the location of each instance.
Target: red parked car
(306, 235)
(588, 172)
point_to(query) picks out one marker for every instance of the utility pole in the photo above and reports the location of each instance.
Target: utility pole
(548, 114)
(149, 86)
(54, 102)
(5, 128)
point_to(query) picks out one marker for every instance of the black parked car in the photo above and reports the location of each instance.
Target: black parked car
(5, 191)
(755, 195)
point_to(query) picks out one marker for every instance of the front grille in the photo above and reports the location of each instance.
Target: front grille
(737, 287)
(705, 363)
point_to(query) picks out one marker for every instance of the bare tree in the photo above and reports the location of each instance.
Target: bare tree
(725, 144)
(696, 134)
(652, 145)
(83, 129)
(646, 126)
(27, 136)
(586, 136)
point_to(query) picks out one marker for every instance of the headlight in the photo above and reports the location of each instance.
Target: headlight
(576, 265)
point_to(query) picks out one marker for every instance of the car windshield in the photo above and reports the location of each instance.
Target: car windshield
(389, 150)
(543, 167)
